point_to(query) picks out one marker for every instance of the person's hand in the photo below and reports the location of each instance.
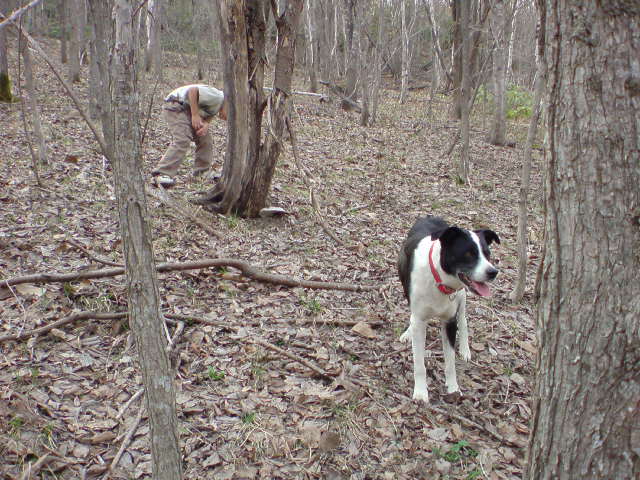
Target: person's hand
(197, 123)
(203, 129)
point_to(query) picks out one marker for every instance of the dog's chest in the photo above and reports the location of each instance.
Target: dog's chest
(428, 301)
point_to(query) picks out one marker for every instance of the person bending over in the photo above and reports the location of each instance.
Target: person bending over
(188, 111)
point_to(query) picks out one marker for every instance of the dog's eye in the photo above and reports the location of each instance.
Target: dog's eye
(468, 255)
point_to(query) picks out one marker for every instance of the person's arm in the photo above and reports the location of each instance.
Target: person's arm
(198, 124)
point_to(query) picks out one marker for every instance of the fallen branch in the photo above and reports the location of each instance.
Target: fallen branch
(63, 321)
(16, 14)
(246, 268)
(91, 256)
(126, 441)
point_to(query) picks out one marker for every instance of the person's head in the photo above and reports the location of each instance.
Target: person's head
(222, 113)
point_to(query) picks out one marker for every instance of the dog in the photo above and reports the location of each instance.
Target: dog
(437, 264)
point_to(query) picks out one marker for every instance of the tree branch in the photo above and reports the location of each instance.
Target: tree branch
(246, 268)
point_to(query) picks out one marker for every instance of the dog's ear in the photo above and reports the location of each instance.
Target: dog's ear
(489, 236)
(449, 235)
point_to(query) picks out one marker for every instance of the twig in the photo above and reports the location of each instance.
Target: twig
(292, 356)
(35, 467)
(91, 256)
(176, 335)
(246, 268)
(126, 441)
(129, 402)
(63, 321)
(17, 13)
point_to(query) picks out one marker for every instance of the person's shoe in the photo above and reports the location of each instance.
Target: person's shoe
(201, 172)
(164, 181)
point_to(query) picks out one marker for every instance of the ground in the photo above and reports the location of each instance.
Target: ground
(247, 410)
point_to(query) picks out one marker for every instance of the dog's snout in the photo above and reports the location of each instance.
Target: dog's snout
(492, 273)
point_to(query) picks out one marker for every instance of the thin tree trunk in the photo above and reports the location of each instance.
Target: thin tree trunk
(5, 79)
(500, 35)
(42, 157)
(64, 31)
(73, 67)
(587, 396)
(465, 93)
(142, 283)
(153, 58)
(525, 177)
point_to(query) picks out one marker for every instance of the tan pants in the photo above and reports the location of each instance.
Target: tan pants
(178, 119)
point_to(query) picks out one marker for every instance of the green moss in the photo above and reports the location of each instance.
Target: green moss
(5, 88)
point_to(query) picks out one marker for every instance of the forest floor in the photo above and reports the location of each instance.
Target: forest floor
(246, 409)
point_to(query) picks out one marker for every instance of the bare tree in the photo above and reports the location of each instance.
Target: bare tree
(249, 164)
(587, 391)
(142, 283)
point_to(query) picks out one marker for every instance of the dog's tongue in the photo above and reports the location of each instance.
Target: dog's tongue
(481, 288)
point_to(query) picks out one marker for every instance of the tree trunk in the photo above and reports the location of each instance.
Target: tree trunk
(153, 58)
(64, 30)
(100, 22)
(249, 166)
(142, 283)
(351, 47)
(525, 177)
(465, 92)
(41, 157)
(456, 57)
(73, 67)
(587, 397)
(312, 47)
(5, 80)
(500, 24)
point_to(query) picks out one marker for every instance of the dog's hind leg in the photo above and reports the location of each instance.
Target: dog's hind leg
(416, 332)
(448, 335)
(463, 332)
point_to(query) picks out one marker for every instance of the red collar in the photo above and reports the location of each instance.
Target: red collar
(441, 286)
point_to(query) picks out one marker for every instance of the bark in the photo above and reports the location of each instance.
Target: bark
(312, 47)
(456, 57)
(352, 54)
(587, 391)
(142, 283)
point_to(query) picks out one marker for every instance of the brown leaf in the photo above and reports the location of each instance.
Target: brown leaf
(329, 441)
(364, 329)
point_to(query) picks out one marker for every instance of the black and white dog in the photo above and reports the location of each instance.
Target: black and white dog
(437, 263)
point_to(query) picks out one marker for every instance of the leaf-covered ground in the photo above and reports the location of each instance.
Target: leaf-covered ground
(248, 410)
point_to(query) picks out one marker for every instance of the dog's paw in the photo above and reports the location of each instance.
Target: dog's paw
(406, 336)
(464, 352)
(421, 395)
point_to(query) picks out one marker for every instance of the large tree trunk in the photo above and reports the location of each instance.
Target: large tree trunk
(101, 24)
(587, 397)
(249, 166)
(142, 283)
(74, 16)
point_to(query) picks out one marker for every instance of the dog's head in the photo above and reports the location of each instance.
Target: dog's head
(465, 255)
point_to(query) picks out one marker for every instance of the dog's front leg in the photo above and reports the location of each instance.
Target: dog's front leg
(416, 332)
(449, 358)
(463, 331)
